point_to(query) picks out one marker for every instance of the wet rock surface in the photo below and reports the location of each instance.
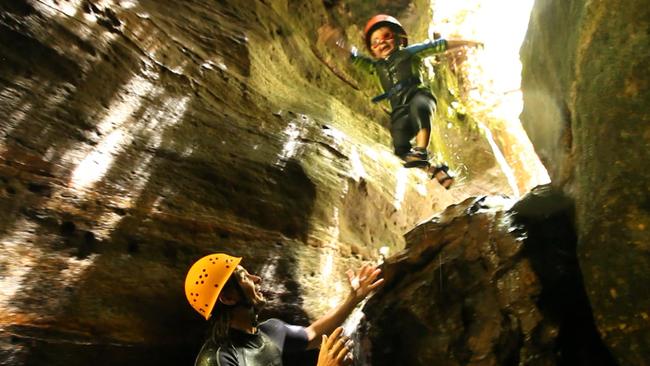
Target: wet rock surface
(586, 98)
(486, 283)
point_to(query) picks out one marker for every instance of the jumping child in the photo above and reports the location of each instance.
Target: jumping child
(397, 65)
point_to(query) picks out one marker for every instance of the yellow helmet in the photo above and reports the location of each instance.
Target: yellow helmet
(206, 278)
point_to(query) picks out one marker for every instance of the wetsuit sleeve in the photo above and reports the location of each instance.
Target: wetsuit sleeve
(428, 48)
(362, 62)
(289, 338)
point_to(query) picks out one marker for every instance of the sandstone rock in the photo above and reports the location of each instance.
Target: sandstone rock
(586, 101)
(486, 284)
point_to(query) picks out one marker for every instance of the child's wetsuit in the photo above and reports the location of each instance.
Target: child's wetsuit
(412, 104)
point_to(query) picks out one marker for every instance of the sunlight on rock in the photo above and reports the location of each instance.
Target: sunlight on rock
(334, 231)
(18, 256)
(290, 147)
(94, 165)
(501, 160)
(269, 275)
(357, 169)
(129, 100)
(497, 68)
(326, 266)
(400, 187)
(128, 4)
(152, 127)
(58, 8)
(384, 252)
(335, 295)
(421, 188)
(494, 73)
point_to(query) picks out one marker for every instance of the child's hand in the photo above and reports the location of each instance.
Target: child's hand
(333, 39)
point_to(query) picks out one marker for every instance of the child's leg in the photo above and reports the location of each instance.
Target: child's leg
(421, 109)
(422, 138)
(402, 133)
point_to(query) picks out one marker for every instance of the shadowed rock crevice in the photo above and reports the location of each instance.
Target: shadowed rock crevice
(551, 240)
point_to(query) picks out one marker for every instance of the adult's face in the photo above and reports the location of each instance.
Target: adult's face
(382, 42)
(250, 285)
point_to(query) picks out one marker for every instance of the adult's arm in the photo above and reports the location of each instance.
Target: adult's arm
(361, 284)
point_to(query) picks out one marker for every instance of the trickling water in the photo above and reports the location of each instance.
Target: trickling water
(351, 329)
(503, 163)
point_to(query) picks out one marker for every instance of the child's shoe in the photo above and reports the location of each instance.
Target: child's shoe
(441, 173)
(418, 157)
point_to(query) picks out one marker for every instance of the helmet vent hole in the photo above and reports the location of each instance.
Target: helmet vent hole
(206, 275)
(216, 285)
(201, 282)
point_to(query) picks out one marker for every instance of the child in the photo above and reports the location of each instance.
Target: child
(397, 65)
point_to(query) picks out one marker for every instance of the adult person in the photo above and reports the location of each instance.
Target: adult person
(223, 291)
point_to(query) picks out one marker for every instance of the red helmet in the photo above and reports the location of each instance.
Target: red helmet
(380, 20)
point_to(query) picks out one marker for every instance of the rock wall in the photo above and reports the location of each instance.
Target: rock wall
(586, 98)
(486, 283)
(138, 136)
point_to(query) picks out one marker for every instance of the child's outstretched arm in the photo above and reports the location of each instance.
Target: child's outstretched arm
(362, 62)
(335, 41)
(430, 48)
(455, 43)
